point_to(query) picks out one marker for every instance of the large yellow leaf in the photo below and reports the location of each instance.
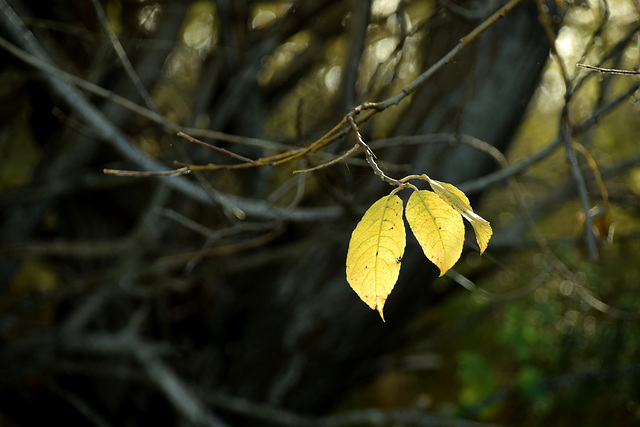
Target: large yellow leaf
(458, 200)
(375, 251)
(438, 228)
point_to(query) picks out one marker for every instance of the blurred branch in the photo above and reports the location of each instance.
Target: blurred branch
(12, 23)
(76, 101)
(578, 286)
(218, 149)
(481, 183)
(560, 382)
(566, 134)
(71, 249)
(453, 53)
(562, 268)
(443, 138)
(593, 36)
(562, 192)
(371, 108)
(583, 194)
(533, 284)
(191, 257)
(132, 106)
(269, 414)
(359, 22)
(173, 388)
(122, 56)
(547, 24)
(335, 133)
(369, 417)
(161, 374)
(616, 50)
(83, 407)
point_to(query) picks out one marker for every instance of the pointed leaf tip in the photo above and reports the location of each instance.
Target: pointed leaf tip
(438, 228)
(459, 201)
(375, 251)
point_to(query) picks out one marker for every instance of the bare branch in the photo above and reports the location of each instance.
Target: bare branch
(359, 22)
(162, 375)
(218, 149)
(545, 19)
(445, 60)
(174, 389)
(331, 162)
(110, 133)
(608, 70)
(502, 174)
(122, 56)
(370, 156)
(583, 194)
(143, 174)
(370, 417)
(83, 407)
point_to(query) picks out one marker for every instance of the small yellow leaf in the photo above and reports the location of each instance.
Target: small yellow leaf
(438, 228)
(375, 251)
(458, 200)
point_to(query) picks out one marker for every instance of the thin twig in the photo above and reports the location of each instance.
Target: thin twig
(132, 106)
(360, 15)
(618, 48)
(122, 56)
(336, 132)
(190, 257)
(372, 108)
(566, 134)
(583, 193)
(86, 111)
(585, 295)
(143, 174)
(332, 162)
(545, 19)
(370, 156)
(591, 42)
(608, 70)
(445, 60)
(483, 182)
(218, 149)
(319, 143)
(92, 416)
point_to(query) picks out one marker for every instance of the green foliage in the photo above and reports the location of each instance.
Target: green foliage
(529, 382)
(528, 331)
(476, 374)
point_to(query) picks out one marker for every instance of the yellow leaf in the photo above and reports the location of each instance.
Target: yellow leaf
(375, 251)
(438, 228)
(458, 200)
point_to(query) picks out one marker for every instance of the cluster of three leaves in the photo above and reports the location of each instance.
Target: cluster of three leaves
(377, 244)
